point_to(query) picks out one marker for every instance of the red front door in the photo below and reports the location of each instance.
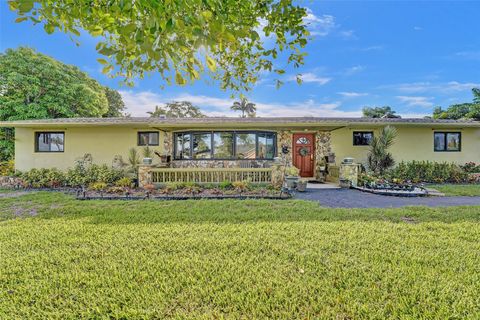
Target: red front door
(304, 153)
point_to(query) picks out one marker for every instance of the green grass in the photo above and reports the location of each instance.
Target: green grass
(458, 189)
(66, 259)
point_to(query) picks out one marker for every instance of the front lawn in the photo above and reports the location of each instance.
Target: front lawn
(61, 258)
(458, 189)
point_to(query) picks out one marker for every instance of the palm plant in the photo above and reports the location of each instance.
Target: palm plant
(379, 159)
(133, 159)
(147, 152)
(247, 108)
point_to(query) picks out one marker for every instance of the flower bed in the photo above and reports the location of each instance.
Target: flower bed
(393, 187)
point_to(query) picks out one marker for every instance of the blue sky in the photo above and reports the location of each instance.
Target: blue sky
(411, 55)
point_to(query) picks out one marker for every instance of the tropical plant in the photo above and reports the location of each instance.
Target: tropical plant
(180, 39)
(7, 168)
(241, 186)
(292, 171)
(98, 186)
(177, 109)
(379, 112)
(379, 159)
(133, 160)
(246, 108)
(124, 182)
(147, 152)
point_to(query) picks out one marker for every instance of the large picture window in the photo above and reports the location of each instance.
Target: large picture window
(362, 138)
(49, 141)
(148, 138)
(225, 145)
(447, 141)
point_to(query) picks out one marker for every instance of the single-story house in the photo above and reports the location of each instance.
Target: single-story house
(226, 142)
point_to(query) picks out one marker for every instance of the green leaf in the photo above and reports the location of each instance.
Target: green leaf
(25, 6)
(20, 19)
(207, 14)
(211, 64)
(102, 61)
(49, 28)
(97, 31)
(179, 79)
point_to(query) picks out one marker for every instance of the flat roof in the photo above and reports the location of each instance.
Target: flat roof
(235, 121)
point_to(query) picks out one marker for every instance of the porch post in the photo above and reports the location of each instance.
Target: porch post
(144, 175)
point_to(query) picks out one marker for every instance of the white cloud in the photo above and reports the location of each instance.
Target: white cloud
(416, 101)
(138, 103)
(311, 77)
(372, 48)
(469, 55)
(319, 25)
(448, 87)
(417, 28)
(353, 70)
(351, 94)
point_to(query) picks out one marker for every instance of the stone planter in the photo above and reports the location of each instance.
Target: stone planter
(292, 181)
(302, 186)
(147, 160)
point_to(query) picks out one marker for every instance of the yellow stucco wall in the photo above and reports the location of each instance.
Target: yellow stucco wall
(412, 143)
(103, 143)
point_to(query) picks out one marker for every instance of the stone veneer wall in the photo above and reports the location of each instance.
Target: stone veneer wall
(322, 148)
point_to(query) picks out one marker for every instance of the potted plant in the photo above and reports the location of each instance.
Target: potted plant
(292, 176)
(322, 165)
(147, 155)
(302, 185)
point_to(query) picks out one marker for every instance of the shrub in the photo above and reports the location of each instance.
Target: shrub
(98, 186)
(81, 175)
(224, 185)
(471, 167)
(241, 186)
(427, 171)
(7, 168)
(292, 171)
(124, 182)
(43, 178)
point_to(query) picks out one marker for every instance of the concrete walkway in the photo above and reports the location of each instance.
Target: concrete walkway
(349, 198)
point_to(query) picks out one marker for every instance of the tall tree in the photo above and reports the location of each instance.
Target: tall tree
(379, 112)
(177, 109)
(470, 110)
(116, 106)
(35, 86)
(181, 39)
(247, 108)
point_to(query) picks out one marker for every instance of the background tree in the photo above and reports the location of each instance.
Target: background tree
(246, 108)
(177, 109)
(116, 106)
(379, 112)
(35, 86)
(224, 37)
(379, 159)
(462, 110)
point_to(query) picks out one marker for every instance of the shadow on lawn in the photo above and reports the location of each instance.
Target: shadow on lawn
(57, 205)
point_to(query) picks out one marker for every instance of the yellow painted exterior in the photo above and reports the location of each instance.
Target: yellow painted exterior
(412, 143)
(105, 142)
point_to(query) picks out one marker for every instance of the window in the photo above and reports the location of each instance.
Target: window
(148, 138)
(447, 141)
(266, 145)
(362, 138)
(226, 145)
(245, 146)
(223, 145)
(49, 141)
(202, 146)
(182, 146)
